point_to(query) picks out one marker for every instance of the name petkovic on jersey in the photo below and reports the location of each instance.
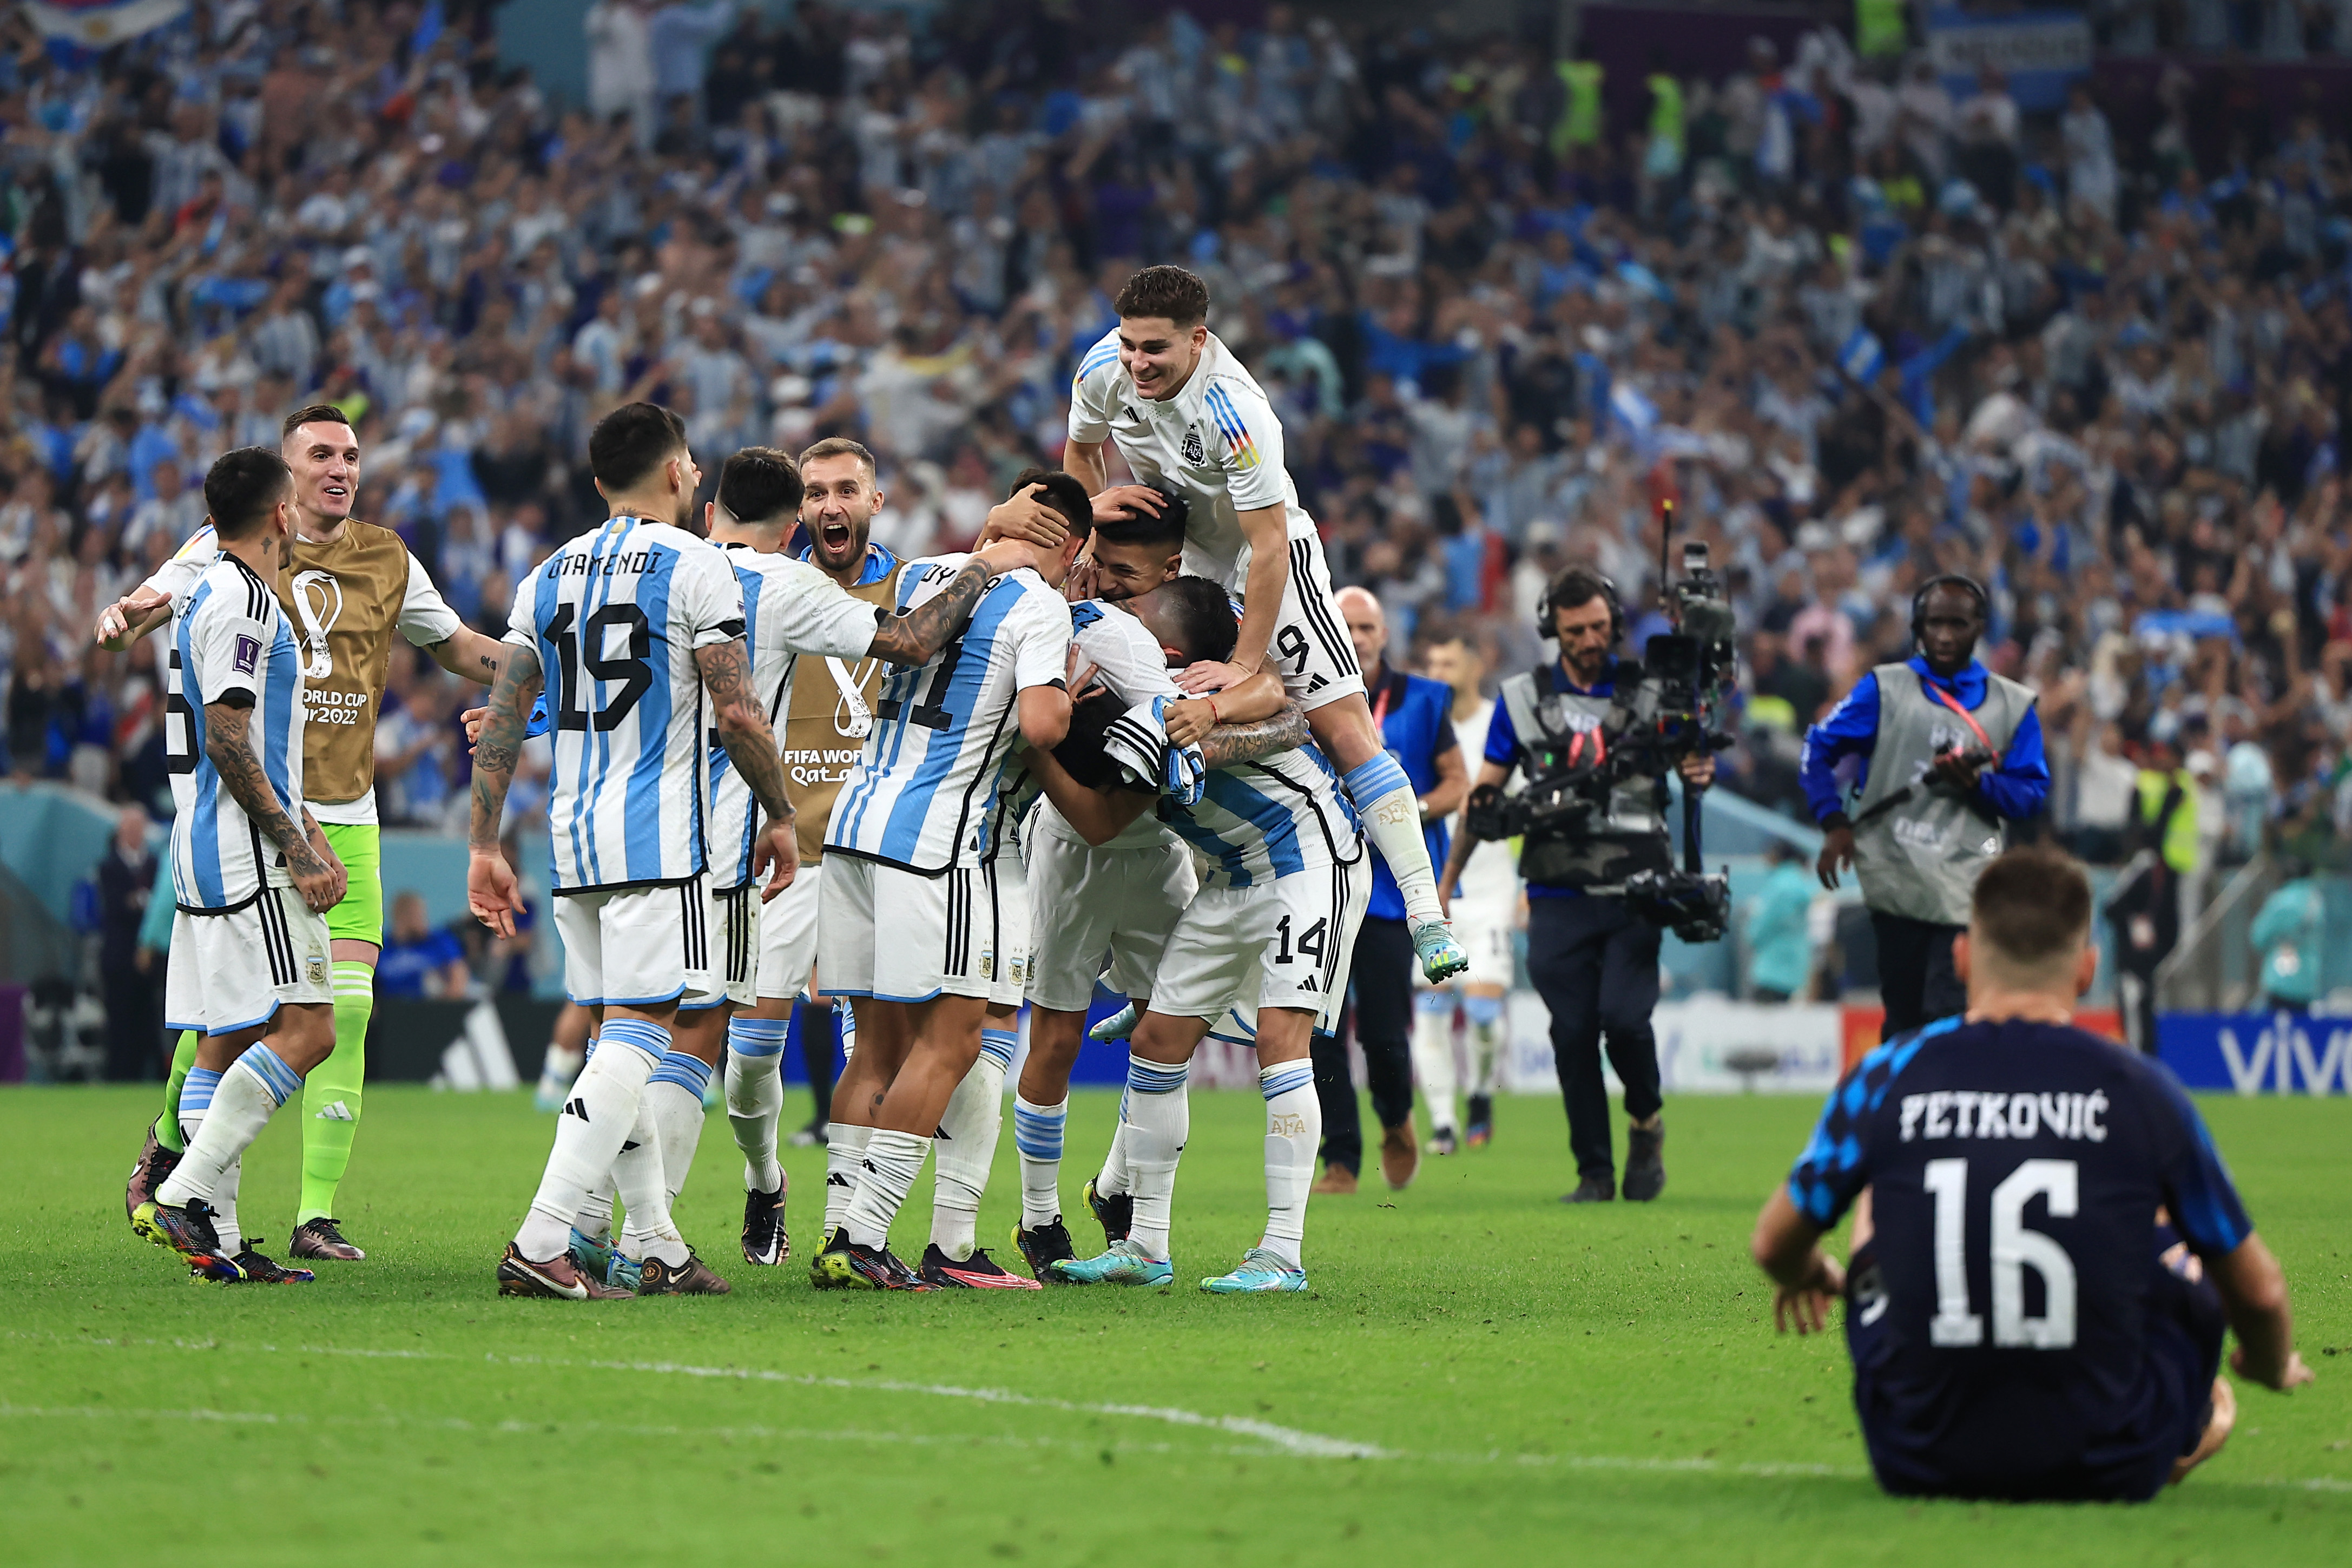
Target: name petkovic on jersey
(335, 706)
(821, 766)
(1981, 1113)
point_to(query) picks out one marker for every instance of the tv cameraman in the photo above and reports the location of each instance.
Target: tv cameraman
(1947, 752)
(1593, 960)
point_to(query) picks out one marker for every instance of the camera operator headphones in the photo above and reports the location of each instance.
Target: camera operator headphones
(1546, 622)
(1948, 580)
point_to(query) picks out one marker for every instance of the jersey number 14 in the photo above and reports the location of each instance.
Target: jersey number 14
(2014, 1250)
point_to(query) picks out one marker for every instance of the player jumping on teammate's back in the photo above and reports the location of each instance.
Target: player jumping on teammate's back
(251, 873)
(347, 586)
(1186, 414)
(1271, 935)
(2046, 1244)
(911, 925)
(1117, 903)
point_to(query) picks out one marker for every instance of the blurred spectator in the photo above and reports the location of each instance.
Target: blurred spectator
(419, 959)
(130, 976)
(2288, 934)
(1778, 927)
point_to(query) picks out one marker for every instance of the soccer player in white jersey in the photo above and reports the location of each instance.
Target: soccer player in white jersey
(251, 873)
(1270, 932)
(638, 629)
(1185, 412)
(1483, 906)
(909, 908)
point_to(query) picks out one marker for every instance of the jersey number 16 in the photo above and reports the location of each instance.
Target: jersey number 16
(2014, 1250)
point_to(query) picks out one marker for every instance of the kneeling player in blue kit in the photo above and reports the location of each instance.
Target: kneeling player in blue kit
(2046, 1244)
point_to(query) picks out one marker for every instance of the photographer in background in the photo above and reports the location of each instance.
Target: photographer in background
(1594, 961)
(1943, 751)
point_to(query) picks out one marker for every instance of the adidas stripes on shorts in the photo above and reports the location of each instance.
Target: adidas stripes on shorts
(637, 947)
(233, 970)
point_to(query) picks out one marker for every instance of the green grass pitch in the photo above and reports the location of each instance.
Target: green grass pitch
(1479, 1373)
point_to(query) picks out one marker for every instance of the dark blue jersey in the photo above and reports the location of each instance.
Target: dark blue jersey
(2002, 1311)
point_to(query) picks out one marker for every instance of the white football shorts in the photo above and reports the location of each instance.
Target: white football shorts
(1284, 944)
(1091, 906)
(637, 947)
(788, 935)
(233, 971)
(895, 936)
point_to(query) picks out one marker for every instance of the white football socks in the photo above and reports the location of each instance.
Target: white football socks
(893, 1161)
(1432, 1057)
(845, 1162)
(671, 1112)
(596, 1120)
(1294, 1129)
(968, 1128)
(755, 1097)
(1486, 1016)
(1113, 1177)
(558, 1068)
(252, 1088)
(1037, 1134)
(1159, 1119)
(1384, 798)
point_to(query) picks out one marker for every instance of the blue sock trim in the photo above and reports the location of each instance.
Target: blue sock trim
(1434, 1001)
(1153, 1078)
(1483, 1009)
(1038, 1133)
(588, 1052)
(1283, 1080)
(1369, 780)
(639, 1035)
(848, 1014)
(269, 1070)
(757, 1037)
(999, 1044)
(196, 1089)
(689, 1073)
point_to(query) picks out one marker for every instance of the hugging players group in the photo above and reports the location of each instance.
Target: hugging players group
(1090, 654)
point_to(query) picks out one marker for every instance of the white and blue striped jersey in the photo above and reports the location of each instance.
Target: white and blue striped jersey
(918, 796)
(1129, 661)
(1216, 441)
(615, 616)
(790, 608)
(230, 637)
(1274, 816)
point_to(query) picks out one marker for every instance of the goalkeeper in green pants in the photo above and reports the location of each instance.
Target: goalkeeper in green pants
(349, 586)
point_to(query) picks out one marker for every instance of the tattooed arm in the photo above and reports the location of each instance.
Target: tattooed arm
(911, 636)
(1239, 743)
(490, 889)
(228, 746)
(470, 655)
(742, 724)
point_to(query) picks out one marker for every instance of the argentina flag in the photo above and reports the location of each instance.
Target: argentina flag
(101, 24)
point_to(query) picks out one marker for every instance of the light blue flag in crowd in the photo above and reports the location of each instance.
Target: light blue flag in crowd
(1636, 413)
(1863, 356)
(100, 24)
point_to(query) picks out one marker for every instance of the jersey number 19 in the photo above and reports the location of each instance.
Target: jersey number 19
(635, 677)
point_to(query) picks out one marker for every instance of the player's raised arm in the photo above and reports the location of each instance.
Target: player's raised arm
(149, 606)
(911, 636)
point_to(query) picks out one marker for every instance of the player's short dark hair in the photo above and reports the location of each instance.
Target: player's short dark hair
(1141, 528)
(311, 414)
(1200, 614)
(241, 486)
(1062, 492)
(840, 447)
(759, 484)
(1165, 291)
(631, 442)
(2033, 905)
(1082, 753)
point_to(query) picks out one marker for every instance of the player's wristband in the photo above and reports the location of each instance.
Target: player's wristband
(1836, 820)
(1213, 717)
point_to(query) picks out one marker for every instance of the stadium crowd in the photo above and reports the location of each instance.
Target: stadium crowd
(1863, 330)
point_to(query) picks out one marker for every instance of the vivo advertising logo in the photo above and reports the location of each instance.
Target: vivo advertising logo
(2252, 1053)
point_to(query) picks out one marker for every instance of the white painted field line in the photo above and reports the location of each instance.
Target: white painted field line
(1280, 1440)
